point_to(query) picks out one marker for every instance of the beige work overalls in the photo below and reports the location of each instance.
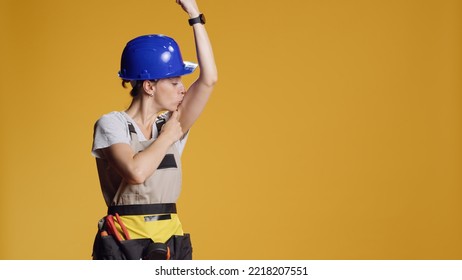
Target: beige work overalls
(148, 210)
(163, 186)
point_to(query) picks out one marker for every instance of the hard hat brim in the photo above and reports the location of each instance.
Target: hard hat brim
(188, 68)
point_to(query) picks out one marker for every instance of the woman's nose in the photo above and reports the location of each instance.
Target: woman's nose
(182, 89)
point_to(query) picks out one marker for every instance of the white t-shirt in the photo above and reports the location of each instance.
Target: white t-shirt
(112, 128)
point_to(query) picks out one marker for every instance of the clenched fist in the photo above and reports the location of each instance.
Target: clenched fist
(189, 6)
(172, 128)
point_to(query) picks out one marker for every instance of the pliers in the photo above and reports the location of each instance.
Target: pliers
(113, 230)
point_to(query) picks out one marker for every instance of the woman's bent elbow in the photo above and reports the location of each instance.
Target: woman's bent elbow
(211, 81)
(136, 178)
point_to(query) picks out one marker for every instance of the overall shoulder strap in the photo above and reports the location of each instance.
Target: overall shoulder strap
(159, 123)
(132, 130)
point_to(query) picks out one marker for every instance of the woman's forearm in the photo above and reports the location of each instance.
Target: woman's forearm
(208, 70)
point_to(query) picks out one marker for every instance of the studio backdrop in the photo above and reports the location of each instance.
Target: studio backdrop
(334, 131)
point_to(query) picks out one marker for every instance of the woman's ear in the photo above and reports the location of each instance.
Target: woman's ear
(149, 87)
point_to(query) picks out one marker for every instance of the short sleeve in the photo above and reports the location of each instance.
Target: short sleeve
(108, 130)
(182, 142)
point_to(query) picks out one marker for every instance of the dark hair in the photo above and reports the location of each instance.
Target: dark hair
(136, 88)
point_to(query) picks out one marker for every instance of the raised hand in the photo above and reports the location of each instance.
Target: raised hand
(172, 128)
(189, 6)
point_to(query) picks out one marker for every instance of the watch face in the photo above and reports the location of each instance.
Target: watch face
(202, 17)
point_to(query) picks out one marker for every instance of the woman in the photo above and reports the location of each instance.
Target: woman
(138, 151)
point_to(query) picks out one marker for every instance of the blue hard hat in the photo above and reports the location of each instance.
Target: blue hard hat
(151, 57)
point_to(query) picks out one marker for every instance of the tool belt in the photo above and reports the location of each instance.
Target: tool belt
(111, 244)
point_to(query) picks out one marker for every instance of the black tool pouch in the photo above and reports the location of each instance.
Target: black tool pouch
(108, 248)
(180, 247)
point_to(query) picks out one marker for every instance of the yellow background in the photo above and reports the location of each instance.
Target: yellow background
(334, 131)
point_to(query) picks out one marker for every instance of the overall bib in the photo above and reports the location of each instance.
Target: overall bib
(142, 222)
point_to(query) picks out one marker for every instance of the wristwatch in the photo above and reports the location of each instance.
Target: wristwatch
(200, 19)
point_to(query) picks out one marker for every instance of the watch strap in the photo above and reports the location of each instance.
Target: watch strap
(199, 19)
